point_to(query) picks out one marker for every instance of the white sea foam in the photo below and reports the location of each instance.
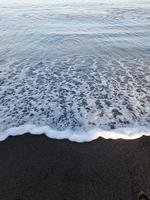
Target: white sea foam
(83, 136)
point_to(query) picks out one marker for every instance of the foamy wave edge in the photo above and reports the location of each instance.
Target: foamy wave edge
(77, 136)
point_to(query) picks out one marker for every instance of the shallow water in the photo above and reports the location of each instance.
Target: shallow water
(80, 66)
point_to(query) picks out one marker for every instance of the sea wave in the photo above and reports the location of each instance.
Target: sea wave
(81, 68)
(80, 136)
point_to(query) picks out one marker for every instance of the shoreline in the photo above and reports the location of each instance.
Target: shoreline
(80, 136)
(37, 167)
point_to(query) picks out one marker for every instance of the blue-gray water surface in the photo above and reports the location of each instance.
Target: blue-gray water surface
(75, 64)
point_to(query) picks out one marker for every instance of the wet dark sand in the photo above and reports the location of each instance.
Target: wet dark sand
(39, 168)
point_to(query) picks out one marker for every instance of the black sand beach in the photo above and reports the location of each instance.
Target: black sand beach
(39, 168)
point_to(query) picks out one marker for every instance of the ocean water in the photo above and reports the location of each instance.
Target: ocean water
(75, 69)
